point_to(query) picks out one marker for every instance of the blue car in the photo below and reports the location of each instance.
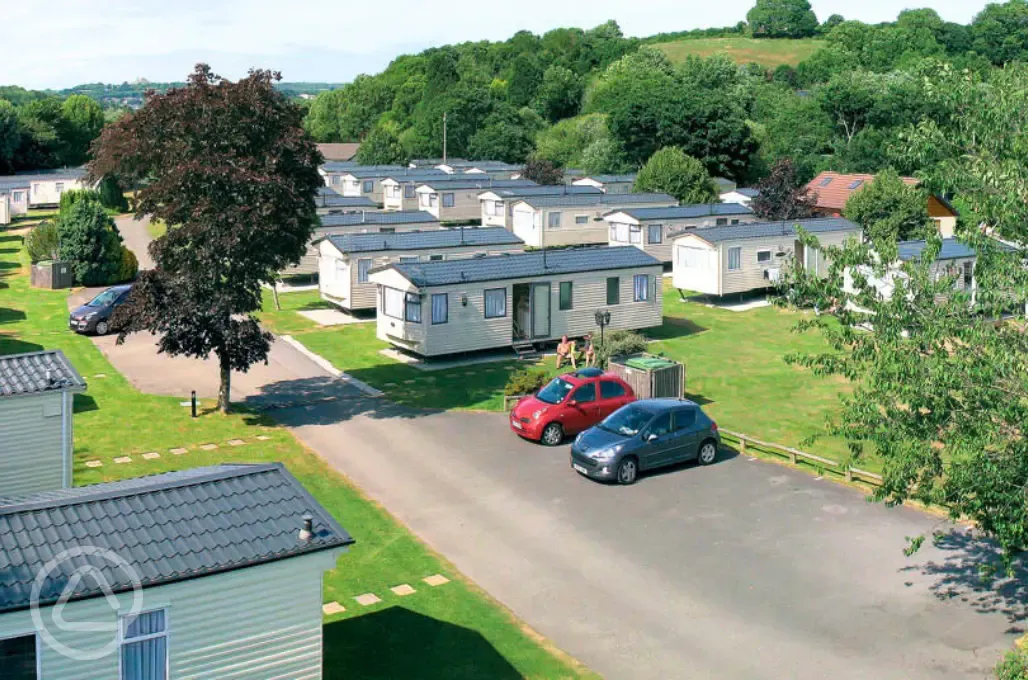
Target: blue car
(95, 316)
(645, 435)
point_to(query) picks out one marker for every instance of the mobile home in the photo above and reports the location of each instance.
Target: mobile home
(611, 184)
(438, 308)
(330, 202)
(651, 229)
(399, 191)
(742, 195)
(548, 221)
(462, 166)
(456, 200)
(333, 171)
(367, 182)
(14, 198)
(345, 260)
(46, 186)
(498, 204)
(167, 576)
(747, 257)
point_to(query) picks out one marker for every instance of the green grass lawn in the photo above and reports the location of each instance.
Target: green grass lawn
(453, 631)
(156, 228)
(770, 53)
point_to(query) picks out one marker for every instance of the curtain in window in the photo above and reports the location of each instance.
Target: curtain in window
(413, 310)
(392, 304)
(145, 660)
(734, 258)
(363, 267)
(553, 220)
(447, 200)
(495, 303)
(440, 308)
(641, 285)
(656, 233)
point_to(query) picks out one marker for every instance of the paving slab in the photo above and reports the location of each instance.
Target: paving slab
(368, 599)
(332, 608)
(403, 590)
(179, 451)
(436, 580)
(236, 442)
(151, 455)
(262, 437)
(123, 459)
(332, 317)
(93, 464)
(208, 447)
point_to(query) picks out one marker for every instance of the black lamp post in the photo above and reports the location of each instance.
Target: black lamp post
(602, 320)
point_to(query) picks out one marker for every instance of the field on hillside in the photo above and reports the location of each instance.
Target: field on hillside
(769, 53)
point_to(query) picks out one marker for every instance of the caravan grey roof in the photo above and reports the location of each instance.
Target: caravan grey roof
(419, 176)
(748, 192)
(469, 182)
(678, 212)
(346, 166)
(397, 217)
(331, 199)
(608, 179)
(424, 240)
(951, 249)
(36, 372)
(54, 174)
(737, 232)
(615, 201)
(396, 173)
(545, 190)
(524, 265)
(169, 527)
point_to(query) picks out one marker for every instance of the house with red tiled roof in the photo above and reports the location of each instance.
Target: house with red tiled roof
(344, 151)
(831, 190)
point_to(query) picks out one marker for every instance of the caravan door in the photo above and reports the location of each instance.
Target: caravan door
(540, 310)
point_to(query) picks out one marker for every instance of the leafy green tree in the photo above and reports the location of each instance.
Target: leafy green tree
(43, 134)
(782, 19)
(229, 164)
(849, 99)
(466, 107)
(441, 71)
(1000, 31)
(501, 137)
(525, 78)
(84, 119)
(112, 195)
(43, 243)
(10, 136)
(407, 98)
(889, 210)
(602, 156)
(787, 125)
(670, 171)
(90, 242)
(825, 64)
(564, 143)
(75, 196)
(783, 195)
(382, 147)
(560, 94)
(831, 22)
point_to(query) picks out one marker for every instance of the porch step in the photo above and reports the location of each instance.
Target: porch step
(525, 351)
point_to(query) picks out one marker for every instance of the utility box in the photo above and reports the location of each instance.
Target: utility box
(52, 275)
(650, 376)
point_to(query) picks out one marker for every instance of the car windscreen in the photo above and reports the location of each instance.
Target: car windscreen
(627, 421)
(555, 392)
(105, 298)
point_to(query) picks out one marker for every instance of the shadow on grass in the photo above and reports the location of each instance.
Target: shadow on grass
(83, 403)
(674, 327)
(4, 251)
(399, 644)
(10, 315)
(698, 398)
(959, 575)
(9, 345)
(8, 264)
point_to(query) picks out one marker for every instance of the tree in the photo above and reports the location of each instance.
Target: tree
(43, 135)
(43, 243)
(831, 22)
(560, 94)
(782, 19)
(890, 210)
(84, 119)
(91, 242)
(670, 171)
(1000, 31)
(783, 195)
(229, 164)
(382, 147)
(525, 77)
(112, 195)
(10, 136)
(501, 138)
(542, 171)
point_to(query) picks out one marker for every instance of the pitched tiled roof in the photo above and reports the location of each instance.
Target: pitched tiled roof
(832, 189)
(421, 162)
(358, 218)
(11, 183)
(36, 372)
(424, 240)
(750, 230)
(686, 211)
(343, 151)
(418, 176)
(523, 265)
(470, 182)
(615, 201)
(167, 528)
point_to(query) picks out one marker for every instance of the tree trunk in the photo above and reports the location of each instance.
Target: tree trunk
(225, 389)
(274, 293)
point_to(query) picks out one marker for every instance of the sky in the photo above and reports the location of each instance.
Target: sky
(114, 41)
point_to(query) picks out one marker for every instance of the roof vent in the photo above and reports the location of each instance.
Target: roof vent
(307, 532)
(49, 378)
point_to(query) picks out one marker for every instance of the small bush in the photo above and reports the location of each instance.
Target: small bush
(70, 198)
(90, 241)
(617, 343)
(128, 267)
(111, 195)
(43, 243)
(525, 381)
(1014, 666)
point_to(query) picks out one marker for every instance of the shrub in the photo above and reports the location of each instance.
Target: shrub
(128, 267)
(90, 242)
(1014, 666)
(70, 198)
(111, 195)
(525, 381)
(43, 243)
(617, 343)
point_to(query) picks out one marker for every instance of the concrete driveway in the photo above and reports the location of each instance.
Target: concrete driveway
(136, 237)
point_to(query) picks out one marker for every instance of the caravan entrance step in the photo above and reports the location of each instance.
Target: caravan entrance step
(525, 351)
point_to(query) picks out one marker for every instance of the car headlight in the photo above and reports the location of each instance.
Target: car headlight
(538, 414)
(91, 315)
(607, 453)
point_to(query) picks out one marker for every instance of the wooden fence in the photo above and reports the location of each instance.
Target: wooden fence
(823, 465)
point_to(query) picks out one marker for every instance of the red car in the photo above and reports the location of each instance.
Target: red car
(569, 404)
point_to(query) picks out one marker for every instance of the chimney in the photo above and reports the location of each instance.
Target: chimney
(307, 532)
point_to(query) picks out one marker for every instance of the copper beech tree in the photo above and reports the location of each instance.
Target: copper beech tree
(229, 166)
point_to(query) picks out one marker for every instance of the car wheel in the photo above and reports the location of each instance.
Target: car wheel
(628, 471)
(553, 434)
(102, 327)
(708, 452)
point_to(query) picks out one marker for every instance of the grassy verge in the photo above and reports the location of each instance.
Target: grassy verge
(453, 631)
(156, 228)
(770, 53)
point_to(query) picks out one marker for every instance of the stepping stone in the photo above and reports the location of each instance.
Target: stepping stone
(403, 590)
(435, 580)
(368, 599)
(100, 375)
(123, 459)
(208, 447)
(235, 442)
(179, 452)
(332, 608)
(185, 403)
(93, 463)
(263, 437)
(151, 455)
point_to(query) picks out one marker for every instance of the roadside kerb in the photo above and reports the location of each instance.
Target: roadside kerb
(327, 365)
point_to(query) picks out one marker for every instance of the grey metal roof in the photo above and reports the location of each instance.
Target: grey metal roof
(951, 249)
(678, 212)
(615, 201)
(169, 527)
(424, 240)
(420, 162)
(748, 192)
(334, 200)
(417, 176)
(396, 173)
(468, 182)
(12, 183)
(487, 165)
(396, 217)
(608, 179)
(346, 166)
(36, 372)
(54, 174)
(750, 230)
(524, 265)
(545, 190)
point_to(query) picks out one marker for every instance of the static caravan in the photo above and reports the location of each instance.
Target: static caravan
(422, 163)
(345, 260)
(36, 404)
(746, 257)
(498, 204)
(367, 182)
(144, 578)
(494, 169)
(46, 186)
(399, 191)
(611, 184)
(333, 171)
(569, 220)
(651, 229)
(457, 200)
(14, 198)
(742, 196)
(438, 308)
(330, 202)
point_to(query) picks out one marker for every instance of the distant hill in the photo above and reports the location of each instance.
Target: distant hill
(770, 53)
(131, 94)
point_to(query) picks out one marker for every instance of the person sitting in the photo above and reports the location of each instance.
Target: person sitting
(590, 351)
(566, 350)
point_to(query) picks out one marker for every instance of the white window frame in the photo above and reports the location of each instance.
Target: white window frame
(59, 186)
(39, 649)
(738, 266)
(660, 233)
(371, 264)
(367, 186)
(550, 221)
(721, 222)
(433, 200)
(635, 234)
(635, 288)
(451, 197)
(409, 191)
(446, 306)
(402, 298)
(770, 257)
(581, 219)
(166, 633)
(485, 303)
(18, 196)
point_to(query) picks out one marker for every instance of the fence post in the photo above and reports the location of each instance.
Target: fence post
(792, 456)
(849, 474)
(742, 445)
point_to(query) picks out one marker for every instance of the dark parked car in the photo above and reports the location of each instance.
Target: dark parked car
(569, 404)
(95, 315)
(644, 435)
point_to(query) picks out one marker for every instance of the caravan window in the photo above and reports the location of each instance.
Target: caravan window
(408, 191)
(448, 200)
(635, 234)
(763, 256)
(440, 308)
(655, 233)
(613, 290)
(734, 259)
(641, 287)
(392, 302)
(363, 267)
(368, 186)
(144, 646)
(18, 657)
(566, 288)
(412, 313)
(495, 303)
(553, 220)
